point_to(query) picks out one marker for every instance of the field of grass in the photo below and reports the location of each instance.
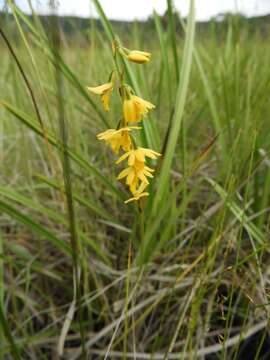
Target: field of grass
(186, 274)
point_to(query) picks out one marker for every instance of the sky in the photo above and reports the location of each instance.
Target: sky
(141, 9)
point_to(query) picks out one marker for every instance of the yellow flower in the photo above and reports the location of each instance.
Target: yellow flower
(137, 170)
(139, 57)
(135, 108)
(135, 173)
(132, 179)
(104, 91)
(118, 138)
(138, 194)
(142, 105)
(138, 155)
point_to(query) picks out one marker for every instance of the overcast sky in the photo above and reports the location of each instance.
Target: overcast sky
(141, 9)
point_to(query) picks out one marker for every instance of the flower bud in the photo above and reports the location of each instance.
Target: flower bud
(139, 57)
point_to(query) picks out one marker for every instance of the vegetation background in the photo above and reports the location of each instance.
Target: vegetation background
(82, 275)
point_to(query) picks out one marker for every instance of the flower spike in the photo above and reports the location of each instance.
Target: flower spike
(136, 173)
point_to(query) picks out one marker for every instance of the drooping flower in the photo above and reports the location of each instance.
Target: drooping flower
(139, 57)
(104, 91)
(137, 195)
(135, 108)
(137, 170)
(138, 155)
(135, 173)
(143, 106)
(118, 138)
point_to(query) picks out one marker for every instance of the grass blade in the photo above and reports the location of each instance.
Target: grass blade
(179, 110)
(35, 227)
(239, 213)
(33, 125)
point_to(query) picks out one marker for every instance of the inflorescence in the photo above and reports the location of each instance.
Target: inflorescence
(134, 110)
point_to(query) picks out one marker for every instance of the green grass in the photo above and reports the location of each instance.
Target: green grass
(188, 275)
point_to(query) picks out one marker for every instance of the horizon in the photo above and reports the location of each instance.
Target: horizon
(141, 10)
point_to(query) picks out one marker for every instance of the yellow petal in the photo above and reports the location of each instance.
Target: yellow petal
(129, 111)
(105, 134)
(130, 177)
(147, 173)
(146, 104)
(143, 53)
(142, 187)
(126, 141)
(123, 173)
(136, 198)
(123, 157)
(150, 153)
(115, 146)
(139, 57)
(131, 159)
(133, 185)
(100, 90)
(105, 98)
(130, 128)
(142, 177)
(149, 169)
(140, 155)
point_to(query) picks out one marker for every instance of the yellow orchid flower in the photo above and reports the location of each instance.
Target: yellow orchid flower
(139, 57)
(135, 108)
(139, 193)
(137, 170)
(118, 138)
(132, 181)
(134, 174)
(104, 91)
(143, 106)
(138, 155)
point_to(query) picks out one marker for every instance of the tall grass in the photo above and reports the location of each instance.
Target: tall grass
(185, 277)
